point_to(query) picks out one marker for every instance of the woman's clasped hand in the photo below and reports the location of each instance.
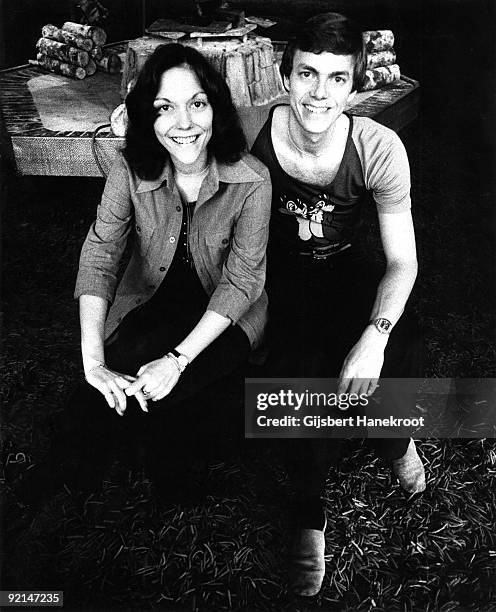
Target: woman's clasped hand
(114, 386)
(155, 379)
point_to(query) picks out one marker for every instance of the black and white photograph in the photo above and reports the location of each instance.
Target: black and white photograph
(248, 305)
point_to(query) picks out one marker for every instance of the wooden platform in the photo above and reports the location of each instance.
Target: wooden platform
(41, 114)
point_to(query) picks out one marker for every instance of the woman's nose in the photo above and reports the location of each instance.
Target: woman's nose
(183, 118)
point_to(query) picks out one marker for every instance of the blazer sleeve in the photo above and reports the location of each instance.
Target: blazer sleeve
(243, 273)
(107, 237)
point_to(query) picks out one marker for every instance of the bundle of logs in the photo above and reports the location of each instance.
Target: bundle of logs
(382, 68)
(75, 51)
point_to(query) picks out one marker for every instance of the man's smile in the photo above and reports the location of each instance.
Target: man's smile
(316, 109)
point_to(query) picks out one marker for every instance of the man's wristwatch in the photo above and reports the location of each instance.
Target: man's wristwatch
(181, 359)
(384, 326)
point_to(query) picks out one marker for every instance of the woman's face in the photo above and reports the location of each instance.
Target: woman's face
(184, 118)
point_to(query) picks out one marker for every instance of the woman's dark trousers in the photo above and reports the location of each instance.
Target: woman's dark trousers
(172, 433)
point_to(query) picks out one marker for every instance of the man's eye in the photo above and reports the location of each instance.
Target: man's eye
(305, 74)
(339, 79)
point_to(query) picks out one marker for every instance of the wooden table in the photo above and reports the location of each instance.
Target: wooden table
(35, 117)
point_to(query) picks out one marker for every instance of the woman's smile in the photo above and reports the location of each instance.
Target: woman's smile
(185, 140)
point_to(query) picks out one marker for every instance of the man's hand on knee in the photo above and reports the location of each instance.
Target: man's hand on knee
(363, 364)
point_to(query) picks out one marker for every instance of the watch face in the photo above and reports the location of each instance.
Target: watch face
(383, 325)
(183, 361)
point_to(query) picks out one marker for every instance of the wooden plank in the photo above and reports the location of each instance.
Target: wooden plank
(169, 25)
(381, 99)
(234, 33)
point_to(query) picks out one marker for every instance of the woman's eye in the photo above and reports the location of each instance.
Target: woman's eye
(163, 108)
(199, 104)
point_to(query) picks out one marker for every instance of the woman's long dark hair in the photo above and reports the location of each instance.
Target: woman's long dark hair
(145, 154)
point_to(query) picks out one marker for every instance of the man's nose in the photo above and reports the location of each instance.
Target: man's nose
(320, 90)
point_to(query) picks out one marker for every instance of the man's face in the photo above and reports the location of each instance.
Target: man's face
(320, 86)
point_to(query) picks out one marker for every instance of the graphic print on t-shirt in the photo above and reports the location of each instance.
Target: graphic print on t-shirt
(310, 216)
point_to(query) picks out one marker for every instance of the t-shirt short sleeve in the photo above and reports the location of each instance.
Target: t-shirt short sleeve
(385, 165)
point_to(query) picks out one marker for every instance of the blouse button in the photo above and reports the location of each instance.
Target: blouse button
(172, 240)
(225, 241)
(178, 208)
(138, 228)
(162, 269)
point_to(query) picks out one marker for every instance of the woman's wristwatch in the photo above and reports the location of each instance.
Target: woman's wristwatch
(179, 359)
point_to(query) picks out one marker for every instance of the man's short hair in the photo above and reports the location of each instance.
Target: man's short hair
(329, 32)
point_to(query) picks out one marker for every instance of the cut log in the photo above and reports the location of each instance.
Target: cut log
(137, 53)
(51, 31)
(265, 80)
(96, 53)
(217, 61)
(249, 64)
(110, 63)
(98, 35)
(63, 52)
(256, 63)
(54, 65)
(90, 67)
(236, 79)
(381, 58)
(271, 69)
(378, 40)
(258, 92)
(383, 75)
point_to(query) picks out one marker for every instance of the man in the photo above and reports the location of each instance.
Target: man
(333, 314)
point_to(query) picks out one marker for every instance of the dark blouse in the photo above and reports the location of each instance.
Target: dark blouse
(181, 288)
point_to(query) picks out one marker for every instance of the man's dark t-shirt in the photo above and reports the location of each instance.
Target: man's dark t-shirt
(374, 163)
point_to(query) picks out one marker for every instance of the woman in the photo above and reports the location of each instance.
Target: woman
(190, 304)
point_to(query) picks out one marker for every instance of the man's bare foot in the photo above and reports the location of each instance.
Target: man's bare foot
(307, 568)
